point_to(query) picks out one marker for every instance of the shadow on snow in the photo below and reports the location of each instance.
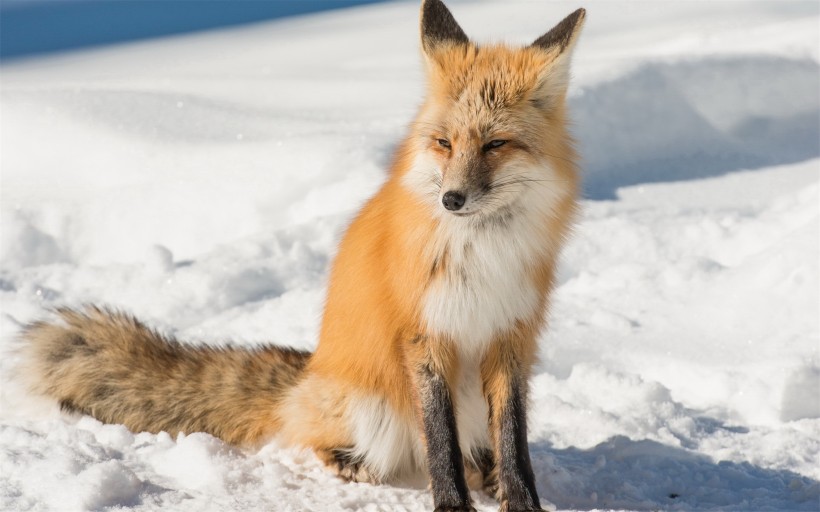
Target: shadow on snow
(29, 28)
(647, 475)
(689, 120)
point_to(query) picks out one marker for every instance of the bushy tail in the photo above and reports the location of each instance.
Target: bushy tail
(110, 366)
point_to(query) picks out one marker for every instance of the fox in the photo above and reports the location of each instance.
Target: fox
(436, 298)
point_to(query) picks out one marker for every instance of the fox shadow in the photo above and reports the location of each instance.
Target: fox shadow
(647, 475)
(696, 119)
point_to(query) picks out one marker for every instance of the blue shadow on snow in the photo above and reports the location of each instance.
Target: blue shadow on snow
(646, 475)
(696, 119)
(31, 27)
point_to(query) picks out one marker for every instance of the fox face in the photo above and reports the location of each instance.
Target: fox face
(493, 123)
(482, 130)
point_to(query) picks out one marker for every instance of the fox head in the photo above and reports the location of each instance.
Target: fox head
(491, 135)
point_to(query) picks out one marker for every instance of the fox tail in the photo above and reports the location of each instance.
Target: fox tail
(109, 365)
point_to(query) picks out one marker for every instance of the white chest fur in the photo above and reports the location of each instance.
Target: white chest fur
(486, 283)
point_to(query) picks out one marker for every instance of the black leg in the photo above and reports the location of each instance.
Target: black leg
(515, 477)
(444, 458)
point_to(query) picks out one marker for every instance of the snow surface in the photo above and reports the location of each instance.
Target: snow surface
(202, 183)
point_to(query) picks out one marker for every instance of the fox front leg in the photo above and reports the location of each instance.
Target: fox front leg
(444, 458)
(515, 477)
(505, 387)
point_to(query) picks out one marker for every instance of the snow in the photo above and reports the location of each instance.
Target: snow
(202, 182)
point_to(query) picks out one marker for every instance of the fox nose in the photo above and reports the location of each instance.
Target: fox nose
(453, 200)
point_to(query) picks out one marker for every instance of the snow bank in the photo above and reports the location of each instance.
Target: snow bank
(202, 183)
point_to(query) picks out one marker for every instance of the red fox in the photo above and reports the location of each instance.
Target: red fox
(436, 298)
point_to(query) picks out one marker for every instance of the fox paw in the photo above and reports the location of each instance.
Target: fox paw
(480, 472)
(348, 468)
(507, 508)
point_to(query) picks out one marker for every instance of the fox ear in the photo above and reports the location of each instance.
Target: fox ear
(438, 26)
(558, 43)
(563, 35)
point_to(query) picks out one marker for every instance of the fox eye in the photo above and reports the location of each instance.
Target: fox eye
(493, 144)
(443, 143)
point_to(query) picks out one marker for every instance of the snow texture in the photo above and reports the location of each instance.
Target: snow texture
(202, 182)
